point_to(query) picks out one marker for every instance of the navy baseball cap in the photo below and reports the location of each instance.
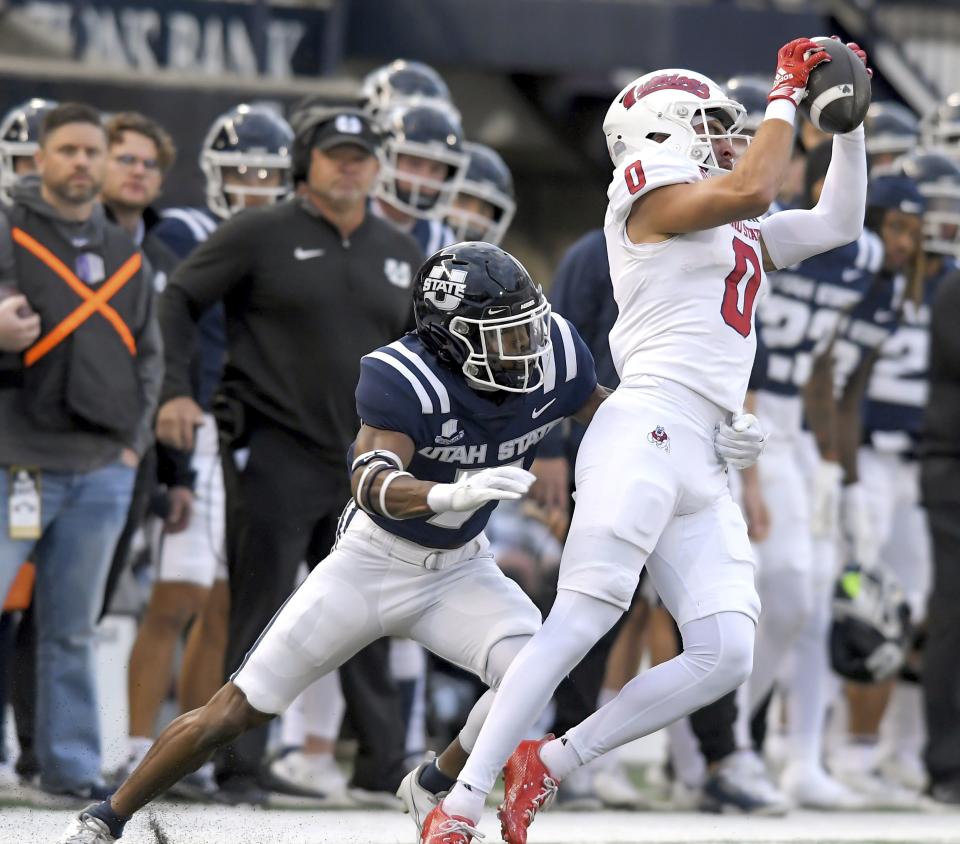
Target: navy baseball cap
(897, 192)
(346, 127)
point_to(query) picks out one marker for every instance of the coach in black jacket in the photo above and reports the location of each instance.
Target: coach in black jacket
(309, 286)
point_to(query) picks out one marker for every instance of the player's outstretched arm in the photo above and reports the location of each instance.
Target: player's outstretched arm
(792, 236)
(749, 189)
(382, 487)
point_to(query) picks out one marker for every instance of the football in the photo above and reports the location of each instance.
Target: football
(838, 92)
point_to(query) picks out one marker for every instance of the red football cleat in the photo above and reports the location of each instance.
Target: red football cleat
(441, 828)
(528, 787)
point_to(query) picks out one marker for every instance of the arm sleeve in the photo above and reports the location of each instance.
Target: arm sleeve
(795, 235)
(149, 366)
(211, 271)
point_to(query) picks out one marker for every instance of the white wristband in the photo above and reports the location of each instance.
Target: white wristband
(383, 491)
(781, 109)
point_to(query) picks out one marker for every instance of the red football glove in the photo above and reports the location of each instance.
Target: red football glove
(794, 63)
(858, 51)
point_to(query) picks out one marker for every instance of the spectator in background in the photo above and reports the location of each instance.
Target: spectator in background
(332, 284)
(82, 416)
(19, 141)
(245, 163)
(139, 154)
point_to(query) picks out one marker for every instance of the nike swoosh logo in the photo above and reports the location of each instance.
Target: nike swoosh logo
(538, 410)
(495, 311)
(302, 254)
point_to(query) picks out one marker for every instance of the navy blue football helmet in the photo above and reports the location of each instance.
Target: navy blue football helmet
(751, 92)
(479, 311)
(940, 129)
(484, 207)
(938, 179)
(891, 130)
(404, 82)
(428, 132)
(20, 138)
(254, 142)
(870, 631)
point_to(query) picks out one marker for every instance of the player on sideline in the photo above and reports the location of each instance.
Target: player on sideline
(686, 257)
(462, 403)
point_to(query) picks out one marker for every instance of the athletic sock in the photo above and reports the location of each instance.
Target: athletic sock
(434, 780)
(464, 801)
(560, 758)
(104, 812)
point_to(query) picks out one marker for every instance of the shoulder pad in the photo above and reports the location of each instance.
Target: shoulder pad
(638, 177)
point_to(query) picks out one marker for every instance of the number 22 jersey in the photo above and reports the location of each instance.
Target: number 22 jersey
(687, 303)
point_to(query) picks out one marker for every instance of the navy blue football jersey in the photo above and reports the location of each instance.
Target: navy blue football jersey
(432, 235)
(183, 230)
(459, 431)
(897, 392)
(868, 326)
(803, 309)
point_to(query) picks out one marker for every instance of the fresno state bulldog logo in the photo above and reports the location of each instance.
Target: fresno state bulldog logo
(666, 81)
(659, 438)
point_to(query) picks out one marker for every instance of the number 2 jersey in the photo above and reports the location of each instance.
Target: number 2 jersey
(686, 304)
(459, 431)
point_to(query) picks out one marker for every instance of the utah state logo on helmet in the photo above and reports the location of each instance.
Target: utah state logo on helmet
(479, 311)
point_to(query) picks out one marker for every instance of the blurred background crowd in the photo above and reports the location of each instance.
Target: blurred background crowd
(137, 574)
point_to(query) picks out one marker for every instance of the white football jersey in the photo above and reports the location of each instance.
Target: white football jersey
(686, 304)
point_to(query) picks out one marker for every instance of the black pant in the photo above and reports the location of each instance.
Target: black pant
(144, 488)
(282, 508)
(941, 656)
(18, 683)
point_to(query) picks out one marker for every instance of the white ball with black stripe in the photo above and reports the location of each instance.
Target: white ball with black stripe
(838, 92)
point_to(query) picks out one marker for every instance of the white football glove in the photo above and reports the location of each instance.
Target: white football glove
(740, 443)
(501, 483)
(857, 526)
(825, 507)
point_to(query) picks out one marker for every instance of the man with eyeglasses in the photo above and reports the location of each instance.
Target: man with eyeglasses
(139, 154)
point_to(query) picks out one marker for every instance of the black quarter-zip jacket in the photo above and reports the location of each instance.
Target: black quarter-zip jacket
(303, 305)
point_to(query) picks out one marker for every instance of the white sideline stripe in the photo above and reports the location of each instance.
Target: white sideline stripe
(569, 350)
(435, 382)
(425, 402)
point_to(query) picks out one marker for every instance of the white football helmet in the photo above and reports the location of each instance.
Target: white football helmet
(656, 113)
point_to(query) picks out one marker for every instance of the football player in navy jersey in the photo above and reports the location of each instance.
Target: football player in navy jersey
(422, 171)
(451, 418)
(892, 419)
(797, 320)
(841, 370)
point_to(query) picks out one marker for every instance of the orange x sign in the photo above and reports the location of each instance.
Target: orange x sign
(92, 302)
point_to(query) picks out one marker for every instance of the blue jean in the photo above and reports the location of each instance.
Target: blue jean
(82, 515)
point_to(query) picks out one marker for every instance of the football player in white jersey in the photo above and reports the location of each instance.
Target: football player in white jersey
(687, 257)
